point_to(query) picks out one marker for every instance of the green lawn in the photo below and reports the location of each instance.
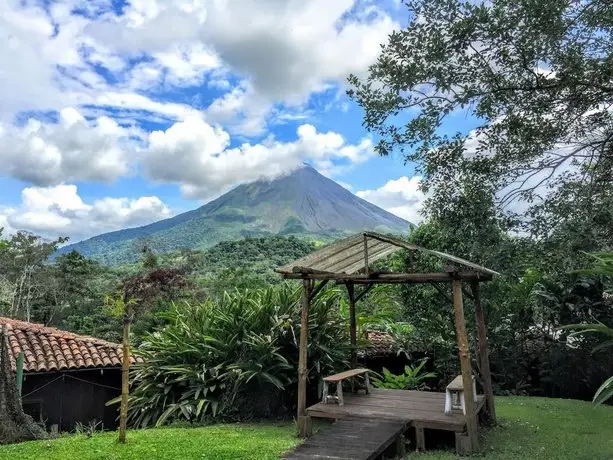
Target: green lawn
(539, 428)
(531, 429)
(223, 442)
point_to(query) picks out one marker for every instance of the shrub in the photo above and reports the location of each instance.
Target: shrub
(235, 357)
(414, 378)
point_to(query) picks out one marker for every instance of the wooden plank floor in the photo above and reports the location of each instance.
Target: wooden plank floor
(351, 439)
(422, 409)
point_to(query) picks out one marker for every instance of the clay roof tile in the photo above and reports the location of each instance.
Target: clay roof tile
(48, 349)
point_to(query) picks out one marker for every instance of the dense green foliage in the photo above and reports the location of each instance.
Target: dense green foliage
(536, 78)
(24, 280)
(70, 292)
(524, 310)
(603, 265)
(247, 263)
(234, 357)
(527, 193)
(414, 377)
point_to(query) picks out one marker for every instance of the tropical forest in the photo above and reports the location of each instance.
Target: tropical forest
(212, 330)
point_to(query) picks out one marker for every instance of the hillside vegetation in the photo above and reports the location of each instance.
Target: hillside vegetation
(246, 263)
(303, 203)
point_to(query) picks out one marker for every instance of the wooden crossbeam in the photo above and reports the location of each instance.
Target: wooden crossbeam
(445, 294)
(375, 277)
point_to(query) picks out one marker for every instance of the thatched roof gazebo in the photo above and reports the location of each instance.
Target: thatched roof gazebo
(349, 261)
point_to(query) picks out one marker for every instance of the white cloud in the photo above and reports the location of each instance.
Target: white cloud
(290, 49)
(55, 64)
(197, 156)
(73, 149)
(264, 59)
(186, 65)
(182, 65)
(284, 51)
(400, 196)
(60, 211)
(30, 53)
(241, 109)
(127, 101)
(4, 222)
(191, 153)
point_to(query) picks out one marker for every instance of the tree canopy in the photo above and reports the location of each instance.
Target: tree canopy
(536, 78)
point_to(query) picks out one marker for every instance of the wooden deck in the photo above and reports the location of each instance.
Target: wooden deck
(419, 409)
(368, 424)
(354, 439)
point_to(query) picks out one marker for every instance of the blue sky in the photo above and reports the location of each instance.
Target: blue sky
(116, 114)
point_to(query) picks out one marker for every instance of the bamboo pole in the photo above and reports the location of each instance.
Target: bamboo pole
(484, 359)
(352, 326)
(467, 381)
(303, 419)
(125, 373)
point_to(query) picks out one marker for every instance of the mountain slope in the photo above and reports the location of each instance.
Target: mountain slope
(302, 203)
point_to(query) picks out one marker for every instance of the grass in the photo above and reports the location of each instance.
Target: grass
(530, 428)
(221, 442)
(540, 428)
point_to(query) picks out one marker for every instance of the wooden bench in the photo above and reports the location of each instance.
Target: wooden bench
(338, 379)
(454, 395)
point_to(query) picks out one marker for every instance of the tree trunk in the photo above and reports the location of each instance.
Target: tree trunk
(15, 425)
(125, 375)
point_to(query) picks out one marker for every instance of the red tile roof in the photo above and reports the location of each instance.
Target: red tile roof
(379, 344)
(48, 349)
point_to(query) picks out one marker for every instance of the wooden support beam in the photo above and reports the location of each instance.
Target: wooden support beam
(375, 277)
(484, 359)
(352, 326)
(308, 270)
(420, 439)
(467, 381)
(303, 418)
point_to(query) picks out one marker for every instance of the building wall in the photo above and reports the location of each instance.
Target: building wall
(65, 398)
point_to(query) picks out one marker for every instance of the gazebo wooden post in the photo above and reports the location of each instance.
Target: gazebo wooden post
(484, 359)
(304, 421)
(467, 381)
(352, 325)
